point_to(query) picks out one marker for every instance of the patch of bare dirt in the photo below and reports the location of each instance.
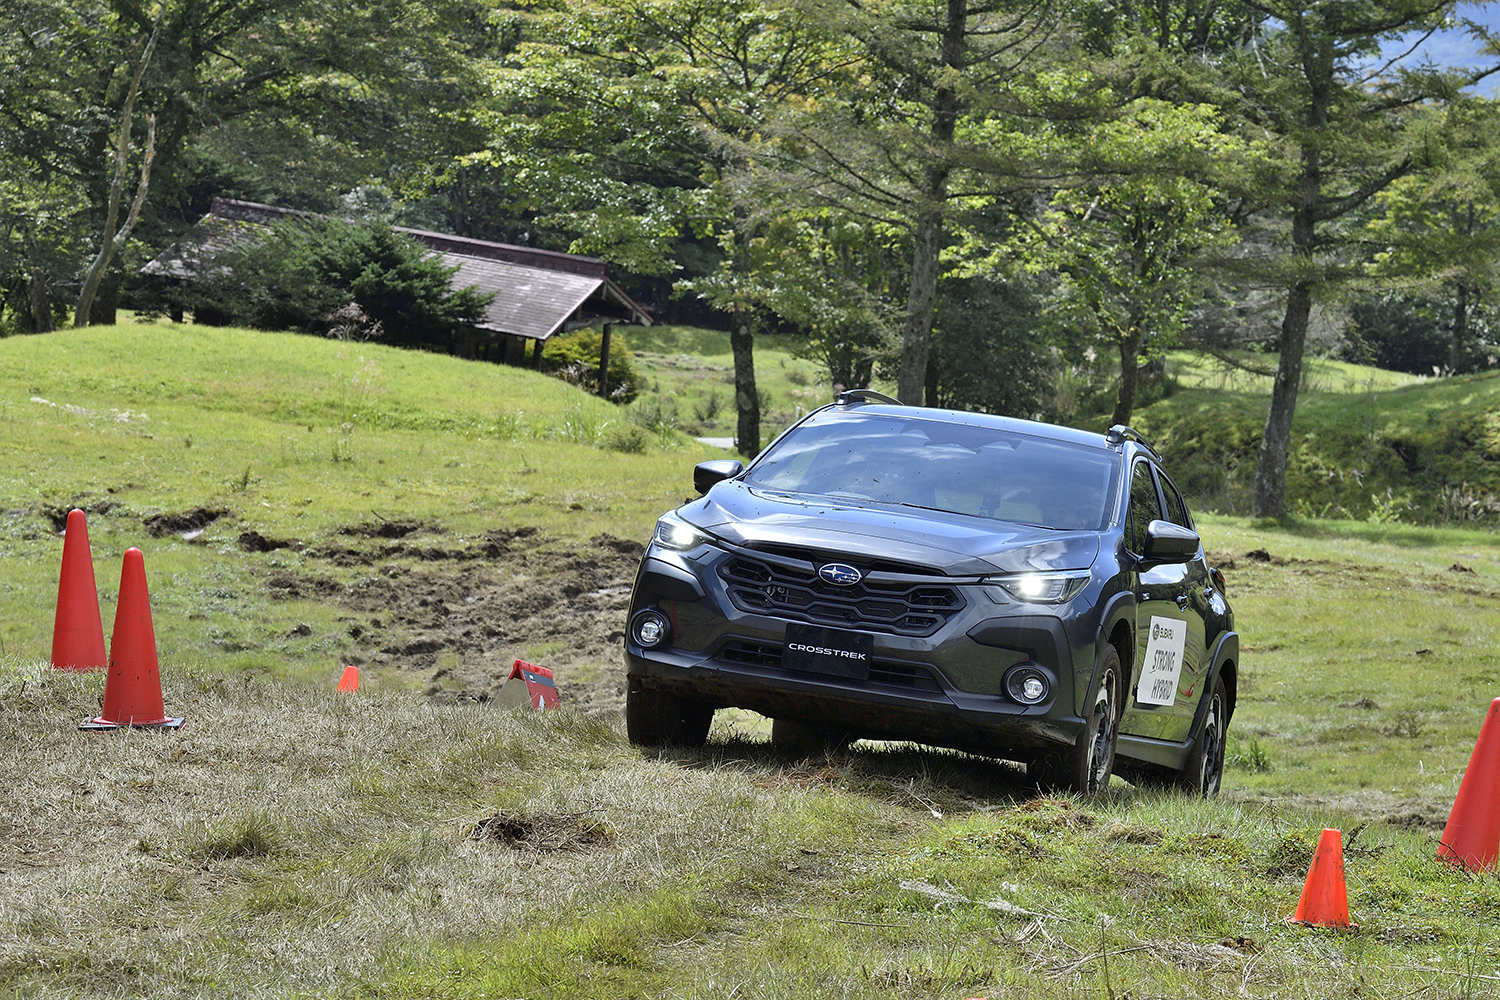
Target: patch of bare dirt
(254, 541)
(162, 525)
(57, 516)
(463, 613)
(547, 833)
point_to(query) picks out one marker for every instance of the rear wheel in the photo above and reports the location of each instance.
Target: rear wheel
(1204, 770)
(660, 718)
(804, 739)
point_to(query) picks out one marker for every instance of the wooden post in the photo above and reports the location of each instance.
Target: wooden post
(536, 352)
(604, 361)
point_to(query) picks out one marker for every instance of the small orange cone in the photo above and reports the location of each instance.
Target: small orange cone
(350, 680)
(77, 629)
(1324, 901)
(1472, 837)
(132, 689)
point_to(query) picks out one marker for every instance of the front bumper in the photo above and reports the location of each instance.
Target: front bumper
(943, 689)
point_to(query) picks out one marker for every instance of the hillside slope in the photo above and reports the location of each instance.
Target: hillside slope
(304, 503)
(1365, 444)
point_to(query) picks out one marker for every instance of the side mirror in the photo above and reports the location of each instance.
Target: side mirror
(1170, 543)
(706, 474)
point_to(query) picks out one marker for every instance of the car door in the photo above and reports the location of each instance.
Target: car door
(1162, 625)
(1198, 588)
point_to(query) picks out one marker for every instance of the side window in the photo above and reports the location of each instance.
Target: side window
(1176, 509)
(1144, 507)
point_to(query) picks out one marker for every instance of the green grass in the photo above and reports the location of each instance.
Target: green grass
(291, 841)
(296, 438)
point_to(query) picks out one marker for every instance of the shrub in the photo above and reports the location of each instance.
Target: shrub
(574, 357)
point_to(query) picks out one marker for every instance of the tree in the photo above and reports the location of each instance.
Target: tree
(909, 145)
(636, 117)
(115, 234)
(1341, 133)
(342, 79)
(1441, 230)
(1122, 246)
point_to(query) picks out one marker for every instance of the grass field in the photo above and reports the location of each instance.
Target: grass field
(414, 840)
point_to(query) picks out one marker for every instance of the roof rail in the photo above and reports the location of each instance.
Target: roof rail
(864, 396)
(1120, 433)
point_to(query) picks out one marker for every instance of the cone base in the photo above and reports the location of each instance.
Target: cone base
(74, 666)
(1313, 923)
(99, 725)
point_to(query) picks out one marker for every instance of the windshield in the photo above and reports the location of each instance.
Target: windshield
(941, 465)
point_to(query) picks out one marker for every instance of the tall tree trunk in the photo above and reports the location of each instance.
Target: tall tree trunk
(1270, 471)
(1269, 496)
(746, 399)
(1130, 374)
(916, 332)
(41, 302)
(742, 344)
(921, 297)
(113, 239)
(1460, 328)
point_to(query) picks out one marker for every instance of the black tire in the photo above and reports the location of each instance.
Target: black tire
(804, 739)
(659, 718)
(1087, 767)
(1204, 771)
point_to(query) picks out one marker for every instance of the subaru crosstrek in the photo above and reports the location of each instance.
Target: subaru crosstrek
(998, 586)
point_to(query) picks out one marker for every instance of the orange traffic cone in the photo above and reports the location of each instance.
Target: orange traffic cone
(1472, 837)
(1324, 901)
(77, 629)
(132, 689)
(350, 680)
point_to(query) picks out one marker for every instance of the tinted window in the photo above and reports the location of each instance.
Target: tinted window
(1144, 507)
(942, 465)
(1176, 509)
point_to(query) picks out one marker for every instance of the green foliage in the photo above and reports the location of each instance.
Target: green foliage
(986, 343)
(574, 358)
(1401, 333)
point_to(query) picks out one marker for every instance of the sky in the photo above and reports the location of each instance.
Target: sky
(1454, 48)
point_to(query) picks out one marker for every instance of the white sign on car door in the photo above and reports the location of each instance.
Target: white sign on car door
(1163, 662)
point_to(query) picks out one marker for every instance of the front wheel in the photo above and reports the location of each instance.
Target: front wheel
(660, 718)
(1085, 769)
(1092, 759)
(1204, 770)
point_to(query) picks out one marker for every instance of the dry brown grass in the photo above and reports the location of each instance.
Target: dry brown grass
(289, 839)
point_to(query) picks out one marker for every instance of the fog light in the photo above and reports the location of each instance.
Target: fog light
(1028, 685)
(652, 629)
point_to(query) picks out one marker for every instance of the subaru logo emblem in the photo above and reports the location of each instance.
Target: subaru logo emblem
(840, 574)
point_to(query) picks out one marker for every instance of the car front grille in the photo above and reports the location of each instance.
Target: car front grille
(764, 588)
(768, 654)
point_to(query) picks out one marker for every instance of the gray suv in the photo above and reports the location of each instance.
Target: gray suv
(997, 586)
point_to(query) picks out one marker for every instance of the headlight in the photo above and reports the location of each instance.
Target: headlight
(1043, 588)
(675, 533)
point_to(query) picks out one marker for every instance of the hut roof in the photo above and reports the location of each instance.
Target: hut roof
(537, 292)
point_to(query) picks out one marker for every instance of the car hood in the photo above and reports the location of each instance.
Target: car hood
(954, 544)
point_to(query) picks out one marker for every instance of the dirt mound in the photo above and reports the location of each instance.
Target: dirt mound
(545, 833)
(162, 525)
(254, 541)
